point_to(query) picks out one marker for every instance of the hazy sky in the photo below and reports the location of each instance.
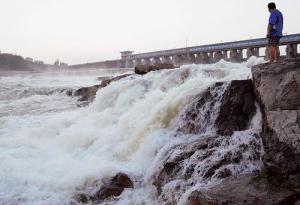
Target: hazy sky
(79, 31)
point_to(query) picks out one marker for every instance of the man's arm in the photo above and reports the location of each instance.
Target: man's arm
(270, 28)
(272, 21)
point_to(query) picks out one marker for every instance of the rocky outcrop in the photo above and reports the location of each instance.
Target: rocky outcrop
(225, 108)
(197, 116)
(244, 190)
(189, 161)
(143, 69)
(277, 88)
(234, 114)
(109, 189)
(87, 94)
(224, 112)
(237, 108)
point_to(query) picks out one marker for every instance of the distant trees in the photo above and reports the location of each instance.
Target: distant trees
(12, 61)
(16, 62)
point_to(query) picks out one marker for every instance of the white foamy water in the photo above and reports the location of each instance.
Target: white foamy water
(49, 147)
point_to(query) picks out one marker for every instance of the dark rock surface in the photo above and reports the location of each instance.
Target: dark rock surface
(200, 158)
(244, 190)
(197, 116)
(277, 88)
(88, 94)
(237, 108)
(143, 69)
(114, 188)
(110, 188)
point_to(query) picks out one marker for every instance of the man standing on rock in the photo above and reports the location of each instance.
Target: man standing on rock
(274, 34)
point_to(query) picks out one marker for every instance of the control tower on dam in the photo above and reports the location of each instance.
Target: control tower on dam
(236, 51)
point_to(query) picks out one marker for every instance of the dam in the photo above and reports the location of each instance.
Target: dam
(236, 51)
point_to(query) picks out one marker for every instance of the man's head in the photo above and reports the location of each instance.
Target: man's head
(271, 6)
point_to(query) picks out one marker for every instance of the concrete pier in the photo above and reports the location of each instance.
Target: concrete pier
(156, 60)
(217, 56)
(291, 51)
(203, 58)
(252, 52)
(166, 59)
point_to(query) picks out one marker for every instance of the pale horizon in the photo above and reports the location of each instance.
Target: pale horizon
(88, 31)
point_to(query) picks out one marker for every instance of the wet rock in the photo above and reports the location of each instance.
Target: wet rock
(69, 92)
(224, 173)
(228, 158)
(237, 108)
(143, 69)
(277, 88)
(198, 198)
(225, 107)
(104, 78)
(200, 159)
(243, 190)
(197, 116)
(107, 192)
(114, 187)
(87, 94)
(234, 114)
(122, 180)
(81, 198)
(107, 81)
(110, 188)
(174, 165)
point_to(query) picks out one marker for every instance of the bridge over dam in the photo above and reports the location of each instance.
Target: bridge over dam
(236, 51)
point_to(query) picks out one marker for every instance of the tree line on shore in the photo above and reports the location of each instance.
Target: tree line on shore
(16, 62)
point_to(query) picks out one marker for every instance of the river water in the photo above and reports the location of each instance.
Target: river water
(50, 147)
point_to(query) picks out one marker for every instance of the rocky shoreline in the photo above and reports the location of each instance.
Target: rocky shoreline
(276, 88)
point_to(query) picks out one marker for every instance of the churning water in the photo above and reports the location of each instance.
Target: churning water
(50, 147)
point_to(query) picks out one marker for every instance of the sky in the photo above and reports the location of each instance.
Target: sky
(81, 31)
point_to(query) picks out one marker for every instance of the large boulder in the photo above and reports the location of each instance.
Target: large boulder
(143, 69)
(237, 108)
(277, 88)
(225, 108)
(109, 189)
(234, 114)
(200, 159)
(244, 190)
(87, 94)
(114, 187)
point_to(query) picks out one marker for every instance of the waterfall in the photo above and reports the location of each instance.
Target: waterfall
(160, 129)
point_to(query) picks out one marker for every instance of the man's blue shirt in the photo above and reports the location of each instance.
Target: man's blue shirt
(276, 19)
